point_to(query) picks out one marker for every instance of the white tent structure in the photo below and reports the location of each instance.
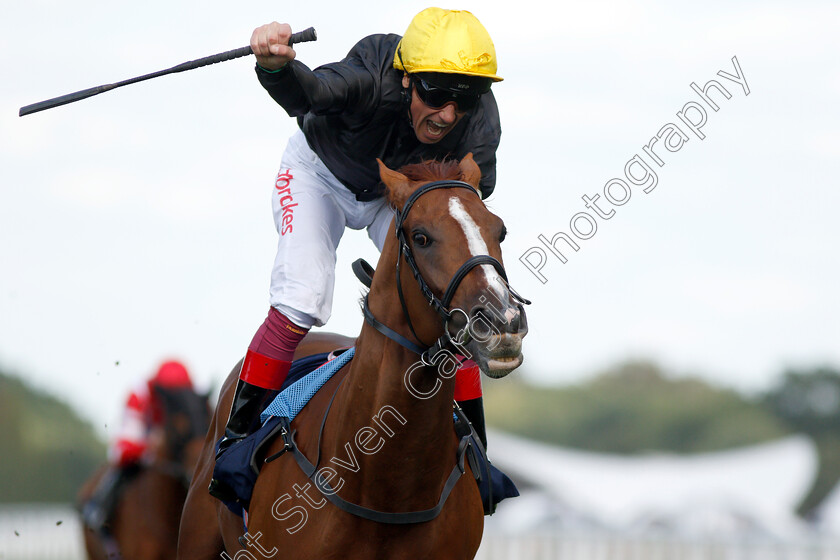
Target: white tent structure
(828, 513)
(752, 490)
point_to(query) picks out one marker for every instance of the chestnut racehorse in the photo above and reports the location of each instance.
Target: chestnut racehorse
(381, 429)
(144, 524)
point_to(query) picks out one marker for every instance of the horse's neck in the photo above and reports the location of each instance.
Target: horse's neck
(388, 425)
(384, 374)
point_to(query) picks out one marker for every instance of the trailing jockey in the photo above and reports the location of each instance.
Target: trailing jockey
(142, 415)
(425, 95)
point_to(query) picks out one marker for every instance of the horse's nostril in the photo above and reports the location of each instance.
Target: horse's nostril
(481, 324)
(482, 315)
(502, 320)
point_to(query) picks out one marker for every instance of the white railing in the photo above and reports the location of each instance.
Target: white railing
(53, 532)
(545, 546)
(40, 532)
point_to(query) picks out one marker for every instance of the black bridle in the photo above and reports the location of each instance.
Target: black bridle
(441, 305)
(464, 431)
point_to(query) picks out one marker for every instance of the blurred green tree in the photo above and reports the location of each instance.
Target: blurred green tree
(47, 450)
(631, 408)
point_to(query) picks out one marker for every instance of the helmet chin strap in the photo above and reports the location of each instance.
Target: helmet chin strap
(407, 102)
(406, 93)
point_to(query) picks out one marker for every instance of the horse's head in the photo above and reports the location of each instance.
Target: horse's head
(186, 416)
(451, 242)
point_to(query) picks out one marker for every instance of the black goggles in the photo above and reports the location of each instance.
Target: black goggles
(435, 97)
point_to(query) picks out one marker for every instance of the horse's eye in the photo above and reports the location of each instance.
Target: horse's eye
(503, 234)
(421, 239)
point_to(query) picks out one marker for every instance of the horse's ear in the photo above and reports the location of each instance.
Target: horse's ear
(470, 173)
(397, 185)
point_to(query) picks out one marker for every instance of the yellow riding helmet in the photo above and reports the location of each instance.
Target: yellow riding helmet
(447, 42)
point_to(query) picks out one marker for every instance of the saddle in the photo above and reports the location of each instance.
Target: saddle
(239, 466)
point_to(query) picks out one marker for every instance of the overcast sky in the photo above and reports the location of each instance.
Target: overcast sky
(136, 225)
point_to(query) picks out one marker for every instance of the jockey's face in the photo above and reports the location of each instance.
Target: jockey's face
(431, 124)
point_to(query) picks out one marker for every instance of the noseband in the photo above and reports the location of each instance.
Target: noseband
(441, 305)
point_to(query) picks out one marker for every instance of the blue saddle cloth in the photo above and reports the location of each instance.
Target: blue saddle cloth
(295, 394)
(303, 366)
(239, 466)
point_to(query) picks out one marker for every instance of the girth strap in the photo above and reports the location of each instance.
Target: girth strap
(391, 518)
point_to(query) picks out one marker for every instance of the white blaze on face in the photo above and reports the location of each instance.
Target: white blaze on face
(477, 245)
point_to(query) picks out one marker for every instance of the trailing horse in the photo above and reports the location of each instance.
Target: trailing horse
(388, 477)
(144, 523)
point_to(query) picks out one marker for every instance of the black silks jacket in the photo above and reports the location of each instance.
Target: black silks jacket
(355, 111)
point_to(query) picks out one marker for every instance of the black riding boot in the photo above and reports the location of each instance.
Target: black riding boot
(99, 508)
(474, 410)
(248, 402)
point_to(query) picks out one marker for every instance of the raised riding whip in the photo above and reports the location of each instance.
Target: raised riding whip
(299, 37)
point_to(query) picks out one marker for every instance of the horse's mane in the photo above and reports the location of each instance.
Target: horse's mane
(432, 170)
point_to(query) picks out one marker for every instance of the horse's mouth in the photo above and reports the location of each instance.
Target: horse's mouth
(502, 366)
(498, 355)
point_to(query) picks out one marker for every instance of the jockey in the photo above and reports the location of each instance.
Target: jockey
(425, 95)
(143, 413)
